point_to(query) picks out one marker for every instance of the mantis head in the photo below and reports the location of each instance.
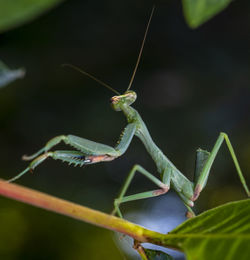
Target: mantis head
(126, 99)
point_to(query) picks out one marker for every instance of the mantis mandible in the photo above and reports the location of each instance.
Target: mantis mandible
(89, 152)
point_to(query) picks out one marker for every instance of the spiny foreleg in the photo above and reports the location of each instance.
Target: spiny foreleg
(89, 152)
(71, 157)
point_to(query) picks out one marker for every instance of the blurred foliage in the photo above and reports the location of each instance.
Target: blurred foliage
(191, 84)
(17, 12)
(157, 255)
(7, 75)
(199, 11)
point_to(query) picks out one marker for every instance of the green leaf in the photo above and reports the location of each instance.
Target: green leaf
(7, 75)
(14, 13)
(157, 255)
(198, 12)
(219, 233)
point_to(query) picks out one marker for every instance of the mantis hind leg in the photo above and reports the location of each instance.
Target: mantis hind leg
(72, 157)
(206, 161)
(148, 194)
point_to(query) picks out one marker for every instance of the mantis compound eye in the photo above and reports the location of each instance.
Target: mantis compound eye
(114, 99)
(115, 103)
(130, 97)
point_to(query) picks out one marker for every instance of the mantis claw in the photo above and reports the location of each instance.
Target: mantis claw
(98, 158)
(197, 192)
(161, 191)
(26, 157)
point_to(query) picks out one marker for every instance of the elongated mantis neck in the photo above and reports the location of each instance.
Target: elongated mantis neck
(143, 134)
(130, 113)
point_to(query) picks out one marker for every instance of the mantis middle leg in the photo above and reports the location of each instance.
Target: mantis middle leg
(143, 195)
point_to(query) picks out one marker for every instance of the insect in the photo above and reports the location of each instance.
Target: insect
(89, 152)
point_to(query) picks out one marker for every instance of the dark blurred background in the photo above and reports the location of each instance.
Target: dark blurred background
(191, 85)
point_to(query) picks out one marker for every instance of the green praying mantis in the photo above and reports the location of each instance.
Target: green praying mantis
(89, 152)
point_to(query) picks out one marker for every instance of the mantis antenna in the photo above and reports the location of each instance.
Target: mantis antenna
(140, 53)
(135, 69)
(91, 76)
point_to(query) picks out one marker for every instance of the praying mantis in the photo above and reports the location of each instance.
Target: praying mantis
(88, 152)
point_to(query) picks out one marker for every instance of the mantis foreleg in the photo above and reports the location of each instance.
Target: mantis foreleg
(72, 157)
(81, 144)
(89, 152)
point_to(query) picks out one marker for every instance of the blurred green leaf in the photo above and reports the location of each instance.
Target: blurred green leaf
(14, 13)
(7, 75)
(219, 233)
(157, 255)
(198, 12)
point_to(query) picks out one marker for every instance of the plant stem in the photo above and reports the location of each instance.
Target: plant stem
(76, 211)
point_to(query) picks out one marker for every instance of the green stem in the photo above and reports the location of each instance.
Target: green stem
(82, 213)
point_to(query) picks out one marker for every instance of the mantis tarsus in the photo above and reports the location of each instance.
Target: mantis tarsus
(89, 152)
